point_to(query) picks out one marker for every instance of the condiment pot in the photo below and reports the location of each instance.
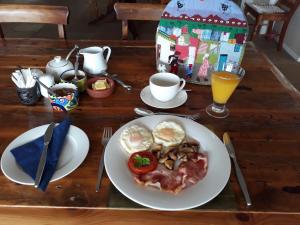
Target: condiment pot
(58, 65)
(94, 60)
(68, 76)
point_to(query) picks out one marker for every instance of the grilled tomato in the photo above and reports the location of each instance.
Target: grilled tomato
(142, 162)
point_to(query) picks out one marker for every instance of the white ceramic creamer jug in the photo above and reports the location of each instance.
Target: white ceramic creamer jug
(94, 60)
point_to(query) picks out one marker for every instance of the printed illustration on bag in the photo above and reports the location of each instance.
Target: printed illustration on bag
(195, 37)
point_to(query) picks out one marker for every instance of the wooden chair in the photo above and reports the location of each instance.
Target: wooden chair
(288, 7)
(24, 13)
(110, 7)
(136, 11)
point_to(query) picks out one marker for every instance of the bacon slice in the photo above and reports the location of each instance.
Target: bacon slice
(187, 174)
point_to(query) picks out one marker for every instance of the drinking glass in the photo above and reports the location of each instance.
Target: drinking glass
(223, 82)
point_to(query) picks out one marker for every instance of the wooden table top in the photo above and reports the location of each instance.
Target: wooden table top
(264, 125)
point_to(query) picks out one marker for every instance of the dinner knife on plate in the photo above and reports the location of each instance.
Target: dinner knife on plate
(240, 177)
(43, 158)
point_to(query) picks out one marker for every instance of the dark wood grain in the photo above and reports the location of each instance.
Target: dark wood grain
(264, 125)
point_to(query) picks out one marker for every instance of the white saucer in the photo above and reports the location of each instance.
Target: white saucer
(148, 99)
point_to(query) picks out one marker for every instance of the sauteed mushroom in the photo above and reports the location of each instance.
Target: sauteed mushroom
(178, 154)
(169, 164)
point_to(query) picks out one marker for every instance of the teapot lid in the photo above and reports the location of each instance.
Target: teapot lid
(58, 62)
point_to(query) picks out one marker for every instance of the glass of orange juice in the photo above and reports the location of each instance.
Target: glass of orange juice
(223, 84)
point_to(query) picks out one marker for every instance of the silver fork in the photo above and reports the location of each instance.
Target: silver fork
(107, 133)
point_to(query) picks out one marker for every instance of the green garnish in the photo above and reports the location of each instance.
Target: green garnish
(140, 161)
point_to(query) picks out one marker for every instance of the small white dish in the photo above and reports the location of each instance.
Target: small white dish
(148, 99)
(75, 149)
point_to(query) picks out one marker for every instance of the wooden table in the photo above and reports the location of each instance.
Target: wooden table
(264, 124)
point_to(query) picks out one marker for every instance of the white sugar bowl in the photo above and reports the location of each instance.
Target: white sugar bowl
(57, 66)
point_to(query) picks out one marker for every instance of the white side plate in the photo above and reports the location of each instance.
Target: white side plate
(75, 149)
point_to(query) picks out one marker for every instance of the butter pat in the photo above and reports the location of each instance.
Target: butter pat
(100, 85)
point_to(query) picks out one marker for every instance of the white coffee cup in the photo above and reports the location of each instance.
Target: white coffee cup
(165, 86)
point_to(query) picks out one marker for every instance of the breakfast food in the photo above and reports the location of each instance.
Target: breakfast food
(170, 163)
(168, 133)
(136, 138)
(64, 91)
(71, 77)
(172, 157)
(187, 174)
(142, 162)
(100, 85)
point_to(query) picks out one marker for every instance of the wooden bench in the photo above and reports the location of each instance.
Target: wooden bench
(137, 11)
(25, 13)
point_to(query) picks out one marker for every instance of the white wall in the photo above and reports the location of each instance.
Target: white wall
(292, 38)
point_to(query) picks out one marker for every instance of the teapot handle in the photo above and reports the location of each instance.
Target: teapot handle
(70, 53)
(108, 52)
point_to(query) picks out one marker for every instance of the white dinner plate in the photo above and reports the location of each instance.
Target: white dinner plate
(205, 190)
(75, 149)
(148, 99)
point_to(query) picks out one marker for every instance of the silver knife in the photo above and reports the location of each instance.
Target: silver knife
(240, 177)
(43, 159)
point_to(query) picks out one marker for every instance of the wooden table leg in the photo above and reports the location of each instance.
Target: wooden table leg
(269, 34)
(257, 27)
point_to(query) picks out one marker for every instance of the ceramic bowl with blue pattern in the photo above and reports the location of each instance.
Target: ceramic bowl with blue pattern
(66, 98)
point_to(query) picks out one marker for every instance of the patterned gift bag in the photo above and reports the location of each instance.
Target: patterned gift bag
(195, 37)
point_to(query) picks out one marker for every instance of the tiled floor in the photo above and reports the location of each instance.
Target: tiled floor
(83, 11)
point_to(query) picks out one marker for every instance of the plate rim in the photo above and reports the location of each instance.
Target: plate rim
(222, 186)
(55, 176)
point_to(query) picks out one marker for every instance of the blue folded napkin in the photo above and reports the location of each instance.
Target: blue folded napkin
(28, 155)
